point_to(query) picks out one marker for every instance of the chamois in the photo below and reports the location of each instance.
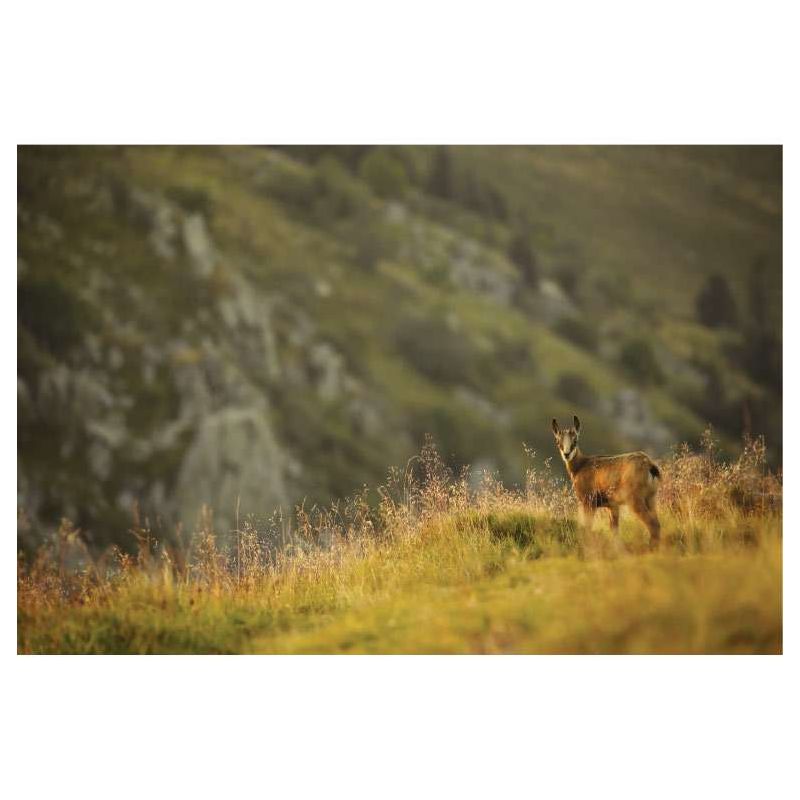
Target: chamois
(610, 481)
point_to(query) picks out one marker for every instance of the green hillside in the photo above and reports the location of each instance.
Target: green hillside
(277, 325)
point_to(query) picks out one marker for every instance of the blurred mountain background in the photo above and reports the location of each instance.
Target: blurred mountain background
(276, 325)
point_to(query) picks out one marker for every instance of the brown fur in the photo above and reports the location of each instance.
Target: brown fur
(611, 481)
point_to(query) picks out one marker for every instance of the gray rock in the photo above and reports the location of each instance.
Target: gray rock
(553, 304)
(367, 419)
(110, 431)
(327, 366)
(158, 217)
(49, 229)
(116, 359)
(301, 329)
(100, 460)
(396, 213)
(248, 316)
(477, 270)
(635, 420)
(234, 455)
(482, 406)
(199, 246)
(65, 393)
(323, 288)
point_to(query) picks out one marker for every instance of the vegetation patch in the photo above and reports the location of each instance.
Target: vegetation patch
(438, 567)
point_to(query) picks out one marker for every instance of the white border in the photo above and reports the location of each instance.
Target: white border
(413, 72)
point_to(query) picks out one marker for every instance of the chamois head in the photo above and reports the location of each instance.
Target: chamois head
(567, 438)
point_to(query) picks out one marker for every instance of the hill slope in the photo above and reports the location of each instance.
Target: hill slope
(256, 326)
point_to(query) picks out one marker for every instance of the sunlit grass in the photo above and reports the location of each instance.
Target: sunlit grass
(440, 569)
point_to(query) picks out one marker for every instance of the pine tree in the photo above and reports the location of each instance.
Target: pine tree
(715, 305)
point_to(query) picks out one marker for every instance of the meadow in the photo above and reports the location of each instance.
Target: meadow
(435, 566)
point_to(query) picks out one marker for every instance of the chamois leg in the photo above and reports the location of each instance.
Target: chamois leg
(586, 515)
(613, 513)
(586, 534)
(655, 530)
(645, 510)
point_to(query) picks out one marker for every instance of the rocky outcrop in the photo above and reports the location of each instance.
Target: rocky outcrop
(210, 425)
(474, 268)
(154, 214)
(199, 246)
(482, 406)
(234, 459)
(248, 318)
(468, 264)
(636, 421)
(552, 304)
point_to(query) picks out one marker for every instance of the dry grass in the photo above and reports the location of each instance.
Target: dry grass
(435, 567)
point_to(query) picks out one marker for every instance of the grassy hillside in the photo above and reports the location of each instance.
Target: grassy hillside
(438, 569)
(258, 327)
(657, 220)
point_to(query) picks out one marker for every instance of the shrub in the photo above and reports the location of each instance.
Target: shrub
(480, 197)
(374, 239)
(464, 187)
(55, 315)
(191, 199)
(294, 188)
(712, 403)
(702, 483)
(338, 193)
(349, 155)
(757, 293)
(578, 331)
(568, 276)
(639, 359)
(441, 181)
(613, 292)
(385, 174)
(512, 354)
(715, 305)
(436, 351)
(463, 436)
(521, 253)
(576, 389)
(761, 356)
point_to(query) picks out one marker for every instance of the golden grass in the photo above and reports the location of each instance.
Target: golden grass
(436, 568)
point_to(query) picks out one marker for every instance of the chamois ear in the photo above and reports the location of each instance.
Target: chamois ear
(577, 423)
(556, 429)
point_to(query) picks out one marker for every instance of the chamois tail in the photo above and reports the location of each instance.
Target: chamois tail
(655, 472)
